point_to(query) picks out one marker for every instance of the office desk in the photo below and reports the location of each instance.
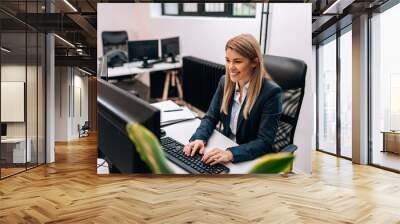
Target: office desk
(391, 141)
(182, 133)
(133, 68)
(14, 150)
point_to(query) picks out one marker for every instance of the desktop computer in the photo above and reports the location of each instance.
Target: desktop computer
(143, 50)
(170, 48)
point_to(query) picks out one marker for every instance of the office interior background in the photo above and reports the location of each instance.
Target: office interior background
(48, 77)
(74, 57)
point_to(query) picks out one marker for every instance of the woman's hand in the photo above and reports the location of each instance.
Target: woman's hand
(217, 156)
(191, 148)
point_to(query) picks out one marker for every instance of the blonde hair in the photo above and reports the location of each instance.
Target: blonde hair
(247, 46)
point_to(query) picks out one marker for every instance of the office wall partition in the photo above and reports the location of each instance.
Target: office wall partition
(385, 89)
(22, 77)
(13, 96)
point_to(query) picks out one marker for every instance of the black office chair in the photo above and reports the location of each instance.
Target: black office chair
(290, 75)
(115, 47)
(84, 129)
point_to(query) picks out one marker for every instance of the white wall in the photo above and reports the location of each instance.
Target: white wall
(289, 35)
(205, 37)
(61, 103)
(68, 83)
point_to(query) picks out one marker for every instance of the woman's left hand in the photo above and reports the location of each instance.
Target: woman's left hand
(217, 156)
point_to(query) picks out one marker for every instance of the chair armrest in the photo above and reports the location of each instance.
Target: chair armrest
(289, 148)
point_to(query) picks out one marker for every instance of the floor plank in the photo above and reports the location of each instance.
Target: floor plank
(70, 191)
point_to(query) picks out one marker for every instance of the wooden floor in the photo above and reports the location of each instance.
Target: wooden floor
(69, 191)
(386, 159)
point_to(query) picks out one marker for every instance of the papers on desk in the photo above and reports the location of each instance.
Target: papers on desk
(172, 113)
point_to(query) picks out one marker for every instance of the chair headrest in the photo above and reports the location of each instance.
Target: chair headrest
(114, 37)
(288, 73)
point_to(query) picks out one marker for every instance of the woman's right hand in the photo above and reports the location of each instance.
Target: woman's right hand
(194, 146)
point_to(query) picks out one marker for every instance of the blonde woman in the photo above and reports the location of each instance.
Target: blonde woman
(247, 103)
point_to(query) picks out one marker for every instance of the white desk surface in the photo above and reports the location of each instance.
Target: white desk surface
(184, 130)
(13, 140)
(133, 68)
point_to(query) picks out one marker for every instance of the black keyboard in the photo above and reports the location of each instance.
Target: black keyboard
(194, 165)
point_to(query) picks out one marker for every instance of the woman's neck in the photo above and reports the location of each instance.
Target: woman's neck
(242, 83)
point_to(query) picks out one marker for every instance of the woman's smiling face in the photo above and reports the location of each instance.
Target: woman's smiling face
(239, 68)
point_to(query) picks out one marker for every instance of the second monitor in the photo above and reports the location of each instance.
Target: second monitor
(170, 48)
(143, 50)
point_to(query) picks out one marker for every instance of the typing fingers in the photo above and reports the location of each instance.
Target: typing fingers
(187, 149)
(213, 158)
(196, 146)
(202, 150)
(217, 160)
(208, 156)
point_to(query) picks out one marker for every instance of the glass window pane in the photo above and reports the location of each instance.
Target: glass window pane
(244, 9)
(394, 101)
(385, 88)
(171, 8)
(190, 7)
(214, 7)
(327, 97)
(13, 84)
(346, 94)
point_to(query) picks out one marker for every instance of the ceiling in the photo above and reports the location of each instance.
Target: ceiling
(76, 22)
(332, 15)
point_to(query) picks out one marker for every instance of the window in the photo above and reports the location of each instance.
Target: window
(385, 88)
(22, 75)
(170, 9)
(334, 96)
(346, 93)
(210, 9)
(327, 96)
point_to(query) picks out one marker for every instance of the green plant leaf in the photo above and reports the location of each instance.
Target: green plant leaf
(149, 148)
(273, 163)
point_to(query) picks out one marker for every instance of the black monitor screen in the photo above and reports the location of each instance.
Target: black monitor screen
(170, 46)
(3, 129)
(142, 49)
(116, 108)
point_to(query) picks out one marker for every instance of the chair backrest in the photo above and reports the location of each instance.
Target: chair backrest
(290, 75)
(114, 40)
(86, 125)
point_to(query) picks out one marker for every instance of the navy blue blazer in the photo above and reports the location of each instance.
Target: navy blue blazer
(255, 135)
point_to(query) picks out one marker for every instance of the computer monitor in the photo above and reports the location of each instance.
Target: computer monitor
(115, 108)
(3, 129)
(170, 48)
(143, 50)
